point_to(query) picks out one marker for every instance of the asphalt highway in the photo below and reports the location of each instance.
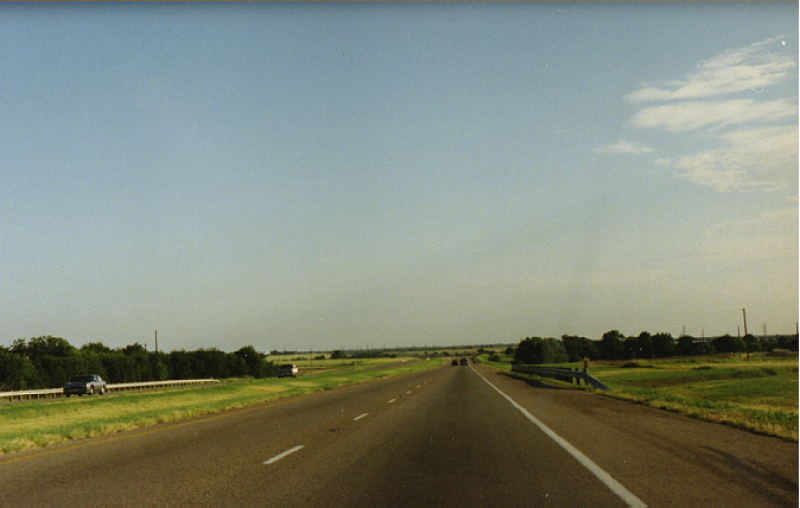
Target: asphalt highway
(451, 436)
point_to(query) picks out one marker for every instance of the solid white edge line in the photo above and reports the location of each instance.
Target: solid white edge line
(362, 415)
(278, 457)
(615, 487)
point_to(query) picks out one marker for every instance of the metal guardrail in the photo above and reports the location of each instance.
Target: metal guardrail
(562, 374)
(50, 393)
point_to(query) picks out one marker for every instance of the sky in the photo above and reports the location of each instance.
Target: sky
(321, 176)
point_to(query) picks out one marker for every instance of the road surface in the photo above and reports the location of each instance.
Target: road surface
(452, 436)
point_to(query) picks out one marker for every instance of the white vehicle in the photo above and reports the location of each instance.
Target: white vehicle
(287, 370)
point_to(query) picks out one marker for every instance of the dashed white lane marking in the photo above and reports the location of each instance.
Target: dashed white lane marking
(613, 485)
(280, 456)
(408, 392)
(362, 415)
(391, 401)
(418, 386)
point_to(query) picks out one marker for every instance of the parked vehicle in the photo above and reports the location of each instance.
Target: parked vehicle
(287, 370)
(88, 384)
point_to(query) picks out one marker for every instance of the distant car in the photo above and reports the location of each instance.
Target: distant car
(287, 370)
(454, 363)
(88, 384)
(463, 361)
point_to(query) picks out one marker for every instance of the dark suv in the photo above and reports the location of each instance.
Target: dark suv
(88, 384)
(287, 370)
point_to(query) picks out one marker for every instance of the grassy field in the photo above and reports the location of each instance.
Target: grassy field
(33, 424)
(759, 395)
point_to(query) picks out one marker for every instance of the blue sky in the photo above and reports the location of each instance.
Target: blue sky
(314, 176)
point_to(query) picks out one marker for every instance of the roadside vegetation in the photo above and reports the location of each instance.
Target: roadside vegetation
(33, 424)
(759, 394)
(48, 362)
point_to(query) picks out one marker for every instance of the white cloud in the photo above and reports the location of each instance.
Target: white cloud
(750, 68)
(687, 116)
(622, 146)
(757, 158)
(749, 149)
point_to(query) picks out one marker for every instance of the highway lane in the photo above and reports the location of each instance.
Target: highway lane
(443, 437)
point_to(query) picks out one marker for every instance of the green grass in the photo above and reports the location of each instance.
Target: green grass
(760, 395)
(33, 424)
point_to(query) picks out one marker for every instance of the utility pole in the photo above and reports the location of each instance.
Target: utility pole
(156, 341)
(739, 331)
(744, 317)
(746, 346)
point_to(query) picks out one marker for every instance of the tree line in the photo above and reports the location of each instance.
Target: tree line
(48, 362)
(615, 346)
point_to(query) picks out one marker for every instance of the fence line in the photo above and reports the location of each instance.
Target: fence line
(562, 374)
(49, 393)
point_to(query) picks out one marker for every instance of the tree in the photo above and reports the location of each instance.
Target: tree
(752, 343)
(17, 372)
(685, 346)
(97, 347)
(788, 342)
(38, 347)
(158, 367)
(252, 360)
(337, 354)
(631, 345)
(180, 365)
(538, 350)
(612, 346)
(728, 344)
(646, 346)
(578, 348)
(663, 345)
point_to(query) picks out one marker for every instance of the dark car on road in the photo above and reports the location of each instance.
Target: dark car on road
(287, 370)
(454, 363)
(463, 361)
(88, 384)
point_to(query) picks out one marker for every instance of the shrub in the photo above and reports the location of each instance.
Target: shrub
(538, 350)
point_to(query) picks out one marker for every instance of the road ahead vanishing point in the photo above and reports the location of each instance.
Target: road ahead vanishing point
(465, 436)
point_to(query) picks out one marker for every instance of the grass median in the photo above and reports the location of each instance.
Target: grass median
(33, 424)
(759, 395)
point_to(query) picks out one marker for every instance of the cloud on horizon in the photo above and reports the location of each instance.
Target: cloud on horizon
(750, 68)
(752, 145)
(688, 116)
(622, 147)
(746, 159)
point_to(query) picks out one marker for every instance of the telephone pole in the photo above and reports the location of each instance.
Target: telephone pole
(156, 341)
(744, 317)
(746, 345)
